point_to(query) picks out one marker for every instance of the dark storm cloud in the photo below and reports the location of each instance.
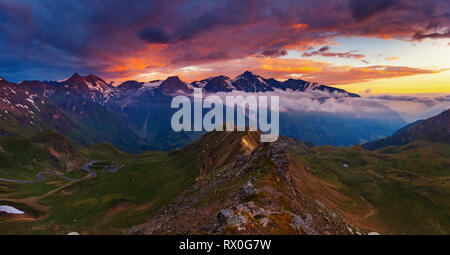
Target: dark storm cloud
(364, 9)
(214, 15)
(224, 14)
(67, 35)
(154, 35)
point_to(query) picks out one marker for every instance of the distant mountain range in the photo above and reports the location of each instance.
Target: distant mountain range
(435, 129)
(135, 116)
(94, 87)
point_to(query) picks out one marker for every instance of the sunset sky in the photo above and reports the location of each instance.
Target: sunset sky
(365, 46)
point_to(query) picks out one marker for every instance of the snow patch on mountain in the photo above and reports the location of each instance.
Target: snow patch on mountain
(152, 84)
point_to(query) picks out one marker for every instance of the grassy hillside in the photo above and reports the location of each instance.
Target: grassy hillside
(25, 157)
(405, 189)
(109, 201)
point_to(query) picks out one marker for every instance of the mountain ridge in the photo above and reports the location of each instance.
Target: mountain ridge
(435, 129)
(246, 82)
(258, 189)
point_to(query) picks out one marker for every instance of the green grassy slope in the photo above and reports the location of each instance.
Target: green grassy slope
(23, 158)
(110, 202)
(409, 186)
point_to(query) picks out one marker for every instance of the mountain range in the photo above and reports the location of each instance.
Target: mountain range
(89, 110)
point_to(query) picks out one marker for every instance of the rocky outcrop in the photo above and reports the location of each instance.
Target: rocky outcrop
(240, 216)
(247, 191)
(280, 159)
(225, 215)
(276, 152)
(303, 224)
(254, 194)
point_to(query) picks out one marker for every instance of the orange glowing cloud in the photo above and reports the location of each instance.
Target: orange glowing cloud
(344, 75)
(279, 68)
(392, 58)
(331, 74)
(300, 26)
(132, 66)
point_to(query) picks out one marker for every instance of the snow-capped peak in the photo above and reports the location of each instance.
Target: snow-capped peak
(91, 82)
(96, 83)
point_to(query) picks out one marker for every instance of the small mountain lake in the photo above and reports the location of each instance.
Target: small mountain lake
(10, 209)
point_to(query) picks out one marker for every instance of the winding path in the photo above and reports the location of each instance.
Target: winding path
(86, 166)
(41, 176)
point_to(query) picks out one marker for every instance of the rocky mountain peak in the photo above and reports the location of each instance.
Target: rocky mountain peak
(75, 77)
(93, 78)
(76, 80)
(249, 82)
(247, 73)
(173, 85)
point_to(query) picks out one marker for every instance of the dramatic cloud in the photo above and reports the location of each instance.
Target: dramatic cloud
(51, 39)
(365, 9)
(420, 36)
(285, 68)
(330, 74)
(273, 53)
(324, 52)
(154, 35)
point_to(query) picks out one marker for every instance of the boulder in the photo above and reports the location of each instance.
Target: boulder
(247, 191)
(227, 217)
(224, 215)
